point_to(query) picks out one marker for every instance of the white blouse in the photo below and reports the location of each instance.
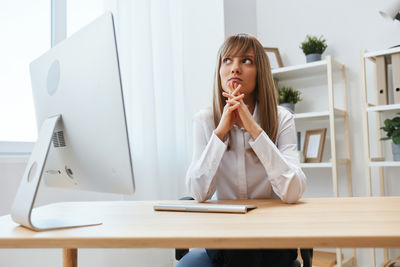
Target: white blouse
(251, 168)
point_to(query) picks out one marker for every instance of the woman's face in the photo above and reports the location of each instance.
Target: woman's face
(237, 70)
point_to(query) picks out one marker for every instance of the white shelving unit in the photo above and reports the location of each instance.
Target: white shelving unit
(379, 110)
(326, 68)
(319, 114)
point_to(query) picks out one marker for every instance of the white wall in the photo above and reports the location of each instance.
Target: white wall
(349, 27)
(240, 17)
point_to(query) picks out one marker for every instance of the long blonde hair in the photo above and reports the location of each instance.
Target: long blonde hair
(265, 92)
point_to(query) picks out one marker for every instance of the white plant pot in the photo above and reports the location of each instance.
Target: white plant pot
(396, 151)
(313, 57)
(288, 106)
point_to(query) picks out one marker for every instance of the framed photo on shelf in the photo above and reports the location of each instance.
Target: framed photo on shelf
(314, 145)
(274, 57)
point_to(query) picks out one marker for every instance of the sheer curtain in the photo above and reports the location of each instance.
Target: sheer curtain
(149, 36)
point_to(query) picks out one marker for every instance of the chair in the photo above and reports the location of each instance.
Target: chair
(306, 254)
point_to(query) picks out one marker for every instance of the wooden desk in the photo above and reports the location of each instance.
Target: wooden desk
(314, 222)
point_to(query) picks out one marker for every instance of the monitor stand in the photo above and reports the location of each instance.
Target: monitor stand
(21, 211)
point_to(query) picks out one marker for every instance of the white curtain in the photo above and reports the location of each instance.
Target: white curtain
(149, 39)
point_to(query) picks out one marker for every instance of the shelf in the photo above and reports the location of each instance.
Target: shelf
(300, 71)
(384, 108)
(316, 165)
(307, 115)
(318, 114)
(384, 163)
(377, 159)
(372, 55)
(303, 70)
(323, 164)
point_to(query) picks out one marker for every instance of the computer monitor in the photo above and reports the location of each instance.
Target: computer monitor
(83, 139)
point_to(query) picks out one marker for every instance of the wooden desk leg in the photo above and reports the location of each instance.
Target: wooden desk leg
(70, 257)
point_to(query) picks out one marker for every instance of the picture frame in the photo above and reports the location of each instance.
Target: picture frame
(274, 57)
(314, 143)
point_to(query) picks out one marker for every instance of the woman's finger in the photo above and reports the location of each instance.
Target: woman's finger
(237, 98)
(231, 87)
(234, 107)
(232, 102)
(227, 95)
(237, 90)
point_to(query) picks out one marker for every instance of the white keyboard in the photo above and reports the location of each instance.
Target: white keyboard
(200, 207)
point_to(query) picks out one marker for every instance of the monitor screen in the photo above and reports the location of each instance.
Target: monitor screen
(83, 138)
(80, 80)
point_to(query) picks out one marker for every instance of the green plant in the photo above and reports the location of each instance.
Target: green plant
(288, 94)
(313, 45)
(392, 129)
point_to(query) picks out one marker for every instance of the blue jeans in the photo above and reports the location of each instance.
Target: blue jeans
(195, 258)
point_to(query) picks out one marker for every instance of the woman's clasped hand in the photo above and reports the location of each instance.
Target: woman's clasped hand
(236, 112)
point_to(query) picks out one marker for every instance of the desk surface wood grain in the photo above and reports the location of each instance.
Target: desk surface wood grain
(313, 222)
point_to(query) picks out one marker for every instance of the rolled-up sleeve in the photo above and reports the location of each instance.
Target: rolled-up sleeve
(207, 155)
(281, 162)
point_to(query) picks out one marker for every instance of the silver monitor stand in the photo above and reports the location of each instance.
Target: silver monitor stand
(21, 211)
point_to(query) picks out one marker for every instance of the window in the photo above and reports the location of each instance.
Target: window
(80, 13)
(25, 35)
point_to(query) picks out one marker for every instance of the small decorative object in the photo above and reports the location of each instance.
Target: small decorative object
(301, 156)
(314, 145)
(313, 48)
(288, 97)
(392, 129)
(381, 81)
(274, 57)
(391, 10)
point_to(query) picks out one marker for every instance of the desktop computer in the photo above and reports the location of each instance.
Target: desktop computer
(83, 138)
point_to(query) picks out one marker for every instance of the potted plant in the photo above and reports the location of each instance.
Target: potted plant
(313, 48)
(288, 97)
(392, 129)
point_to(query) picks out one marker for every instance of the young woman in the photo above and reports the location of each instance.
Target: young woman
(244, 147)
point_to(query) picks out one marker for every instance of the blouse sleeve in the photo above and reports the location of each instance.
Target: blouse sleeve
(207, 155)
(281, 162)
